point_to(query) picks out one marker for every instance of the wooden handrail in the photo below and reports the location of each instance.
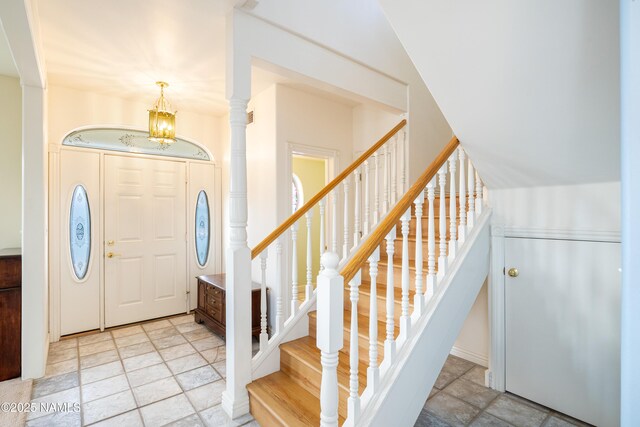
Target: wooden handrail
(322, 193)
(360, 257)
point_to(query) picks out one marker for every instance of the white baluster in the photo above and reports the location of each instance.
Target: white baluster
(471, 213)
(294, 269)
(353, 403)
(390, 343)
(418, 298)
(264, 337)
(387, 183)
(373, 373)
(367, 210)
(334, 220)
(321, 205)
(431, 242)
(462, 229)
(442, 260)
(329, 335)
(404, 162)
(376, 210)
(309, 288)
(280, 286)
(345, 240)
(405, 320)
(453, 242)
(356, 208)
(478, 194)
(394, 170)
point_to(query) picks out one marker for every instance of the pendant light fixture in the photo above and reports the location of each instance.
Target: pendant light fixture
(162, 122)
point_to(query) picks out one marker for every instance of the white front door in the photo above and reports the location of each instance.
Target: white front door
(145, 239)
(563, 326)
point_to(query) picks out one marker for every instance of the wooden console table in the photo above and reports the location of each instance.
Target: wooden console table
(211, 308)
(10, 313)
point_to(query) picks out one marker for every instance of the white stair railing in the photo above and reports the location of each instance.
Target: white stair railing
(463, 211)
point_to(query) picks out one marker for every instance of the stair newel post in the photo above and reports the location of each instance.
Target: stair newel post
(431, 242)
(471, 213)
(334, 221)
(309, 287)
(330, 295)
(353, 403)
(367, 191)
(418, 298)
(345, 237)
(442, 260)
(373, 373)
(321, 206)
(390, 343)
(235, 399)
(405, 320)
(387, 183)
(394, 170)
(453, 241)
(376, 189)
(264, 337)
(357, 207)
(281, 287)
(294, 269)
(462, 229)
(478, 194)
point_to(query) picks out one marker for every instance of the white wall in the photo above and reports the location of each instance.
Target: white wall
(473, 341)
(11, 162)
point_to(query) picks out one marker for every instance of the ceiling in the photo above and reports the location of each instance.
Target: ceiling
(7, 66)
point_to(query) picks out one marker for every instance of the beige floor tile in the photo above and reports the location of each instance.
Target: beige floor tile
(182, 319)
(108, 407)
(206, 396)
(96, 347)
(148, 374)
(476, 375)
(96, 359)
(69, 397)
(141, 361)
(186, 363)
(128, 419)
(131, 339)
(55, 419)
(152, 326)
(210, 354)
(188, 327)
(63, 344)
(215, 417)
(471, 393)
(94, 338)
(104, 388)
(101, 372)
(46, 386)
(125, 332)
(136, 349)
(177, 351)
(516, 413)
(162, 333)
(452, 410)
(198, 334)
(155, 391)
(62, 355)
(207, 343)
(221, 367)
(167, 342)
(190, 421)
(166, 411)
(59, 368)
(197, 377)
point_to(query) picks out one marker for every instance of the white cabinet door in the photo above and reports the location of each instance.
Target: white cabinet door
(563, 326)
(145, 226)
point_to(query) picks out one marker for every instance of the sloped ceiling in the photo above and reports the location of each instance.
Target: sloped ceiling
(531, 88)
(7, 66)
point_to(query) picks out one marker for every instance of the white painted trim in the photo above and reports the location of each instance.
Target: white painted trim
(563, 234)
(497, 345)
(477, 358)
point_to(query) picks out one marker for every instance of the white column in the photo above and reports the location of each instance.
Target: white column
(329, 335)
(309, 287)
(235, 399)
(367, 207)
(356, 208)
(373, 373)
(321, 205)
(471, 213)
(453, 242)
(280, 285)
(390, 343)
(418, 298)
(294, 269)
(431, 242)
(405, 320)
(264, 337)
(345, 239)
(353, 403)
(478, 194)
(442, 260)
(376, 206)
(462, 229)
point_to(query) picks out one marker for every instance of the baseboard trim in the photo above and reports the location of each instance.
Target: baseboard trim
(478, 359)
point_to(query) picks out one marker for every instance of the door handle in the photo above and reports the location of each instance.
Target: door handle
(111, 254)
(513, 272)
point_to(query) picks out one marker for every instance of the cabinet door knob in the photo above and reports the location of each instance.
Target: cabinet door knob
(513, 272)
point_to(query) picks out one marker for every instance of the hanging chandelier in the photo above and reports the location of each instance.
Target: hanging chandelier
(162, 122)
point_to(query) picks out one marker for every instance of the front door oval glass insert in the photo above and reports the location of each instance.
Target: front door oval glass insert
(202, 228)
(80, 232)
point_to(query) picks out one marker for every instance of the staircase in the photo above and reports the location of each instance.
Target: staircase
(365, 346)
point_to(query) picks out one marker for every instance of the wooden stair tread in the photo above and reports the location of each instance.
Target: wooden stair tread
(381, 292)
(305, 349)
(363, 327)
(285, 400)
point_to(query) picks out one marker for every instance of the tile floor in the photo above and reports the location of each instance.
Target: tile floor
(166, 372)
(459, 398)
